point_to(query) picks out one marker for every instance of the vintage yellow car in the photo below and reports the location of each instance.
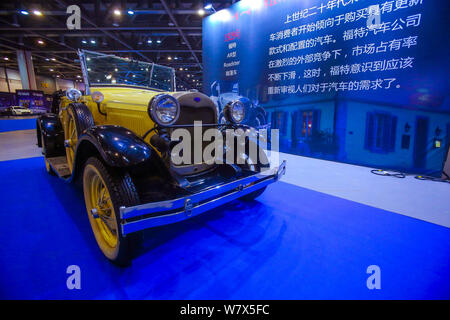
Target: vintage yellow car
(117, 140)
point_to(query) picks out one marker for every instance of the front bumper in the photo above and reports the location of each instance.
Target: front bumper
(155, 214)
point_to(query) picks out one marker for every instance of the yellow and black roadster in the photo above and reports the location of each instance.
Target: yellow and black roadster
(116, 138)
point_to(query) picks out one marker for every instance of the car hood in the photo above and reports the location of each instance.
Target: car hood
(138, 98)
(127, 95)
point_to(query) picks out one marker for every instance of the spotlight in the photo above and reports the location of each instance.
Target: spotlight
(37, 13)
(117, 12)
(149, 41)
(83, 41)
(201, 12)
(51, 70)
(158, 41)
(169, 58)
(208, 6)
(24, 12)
(40, 42)
(47, 59)
(6, 58)
(53, 59)
(93, 41)
(130, 12)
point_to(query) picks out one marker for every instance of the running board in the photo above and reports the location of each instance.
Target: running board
(60, 165)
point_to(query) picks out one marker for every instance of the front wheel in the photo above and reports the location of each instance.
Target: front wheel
(105, 191)
(255, 165)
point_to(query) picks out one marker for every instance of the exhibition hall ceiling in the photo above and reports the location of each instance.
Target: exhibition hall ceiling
(161, 31)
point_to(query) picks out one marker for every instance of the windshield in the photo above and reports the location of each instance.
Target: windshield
(105, 69)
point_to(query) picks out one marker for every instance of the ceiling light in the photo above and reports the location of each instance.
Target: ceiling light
(169, 58)
(83, 41)
(201, 12)
(209, 6)
(130, 12)
(51, 70)
(158, 41)
(53, 59)
(117, 12)
(47, 59)
(24, 12)
(78, 76)
(37, 13)
(93, 41)
(149, 41)
(6, 58)
(40, 42)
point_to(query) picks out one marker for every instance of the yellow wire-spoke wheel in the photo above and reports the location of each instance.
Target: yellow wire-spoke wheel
(106, 189)
(101, 211)
(70, 137)
(48, 167)
(78, 118)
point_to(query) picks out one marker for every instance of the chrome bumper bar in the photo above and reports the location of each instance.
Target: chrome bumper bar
(187, 207)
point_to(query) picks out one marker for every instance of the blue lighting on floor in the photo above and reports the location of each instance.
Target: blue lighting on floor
(17, 124)
(292, 243)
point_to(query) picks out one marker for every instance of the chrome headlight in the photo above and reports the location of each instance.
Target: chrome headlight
(235, 111)
(164, 109)
(97, 96)
(73, 94)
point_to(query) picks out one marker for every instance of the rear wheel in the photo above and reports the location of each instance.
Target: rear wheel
(105, 191)
(48, 168)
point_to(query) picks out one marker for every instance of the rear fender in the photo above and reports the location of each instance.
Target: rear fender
(50, 135)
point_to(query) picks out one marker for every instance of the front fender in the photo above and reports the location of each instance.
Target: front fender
(118, 146)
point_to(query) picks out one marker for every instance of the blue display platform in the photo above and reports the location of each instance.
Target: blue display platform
(292, 243)
(17, 124)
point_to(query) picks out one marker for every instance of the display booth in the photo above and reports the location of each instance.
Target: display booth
(33, 99)
(361, 82)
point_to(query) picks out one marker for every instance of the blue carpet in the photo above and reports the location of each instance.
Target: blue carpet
(17, 124)
(293, 243)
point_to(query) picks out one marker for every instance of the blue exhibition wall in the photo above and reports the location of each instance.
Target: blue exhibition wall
(338, 83)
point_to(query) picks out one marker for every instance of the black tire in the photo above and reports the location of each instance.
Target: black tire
(252, 196)
(260, 120)
(122, 192)
(48, 168)
(255, 166)
(83, 117)
(82, 120)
